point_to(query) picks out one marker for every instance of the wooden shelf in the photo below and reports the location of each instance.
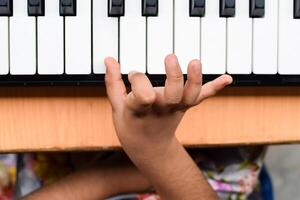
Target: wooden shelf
(70, 118)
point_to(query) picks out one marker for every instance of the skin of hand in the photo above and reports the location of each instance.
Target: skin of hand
(146, 120)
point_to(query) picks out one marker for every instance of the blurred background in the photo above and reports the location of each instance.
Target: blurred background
(283, 163)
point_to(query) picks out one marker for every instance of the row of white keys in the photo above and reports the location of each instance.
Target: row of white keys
(215, 50)
(133, 38)
(187, 38)
(51, 40)
(4, 48)
(188, 34)
(160, 37)
(105, 32)
(213, 41)
(265, 45)
(193, 37)
(289, 40)
(22, 41)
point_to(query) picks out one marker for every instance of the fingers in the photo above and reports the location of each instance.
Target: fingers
(193, 85)
(174, 83)
(142, 96)
(115, 87)
(175, 93)
(213, 87)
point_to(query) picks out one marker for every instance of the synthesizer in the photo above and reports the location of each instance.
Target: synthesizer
(64, 42)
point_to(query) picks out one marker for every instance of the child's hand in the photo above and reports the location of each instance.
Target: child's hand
(146, 120)
(150, 115)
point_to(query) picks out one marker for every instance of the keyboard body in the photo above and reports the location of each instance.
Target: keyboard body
(64, 42)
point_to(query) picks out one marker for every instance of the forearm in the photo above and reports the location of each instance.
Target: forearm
(94, 184)
(172, 172)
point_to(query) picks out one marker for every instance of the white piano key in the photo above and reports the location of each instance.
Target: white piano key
(78, 40)
(265, 40)
(187, 35)
(4, 56)
(213, 40)
(160, 37)
(289, 40)
(50, 40)
(239, 40)
(133, 38)
(22, 41)
(105, 36)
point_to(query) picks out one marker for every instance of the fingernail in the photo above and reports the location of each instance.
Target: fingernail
(133, 72)
(171, 59)
(196, 62)
(174, 61)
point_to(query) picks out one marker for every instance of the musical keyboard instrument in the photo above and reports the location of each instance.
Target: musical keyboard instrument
(64, 42)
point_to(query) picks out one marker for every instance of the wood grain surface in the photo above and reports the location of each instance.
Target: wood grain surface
(79, 118)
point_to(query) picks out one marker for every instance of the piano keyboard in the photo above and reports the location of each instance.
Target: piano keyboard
(66, 41)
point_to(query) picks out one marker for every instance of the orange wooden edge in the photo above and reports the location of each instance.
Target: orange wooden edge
(79, 118)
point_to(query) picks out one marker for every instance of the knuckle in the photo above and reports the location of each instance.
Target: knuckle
(147, 99)
(108, 79)
(195, 81)
(176, 77)
(173, 100)
(189, 102)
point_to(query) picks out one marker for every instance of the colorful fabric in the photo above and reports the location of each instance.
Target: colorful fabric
(8, 173)
(42, 169)
(232, 172)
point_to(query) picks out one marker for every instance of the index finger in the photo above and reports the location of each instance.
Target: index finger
(115, 86)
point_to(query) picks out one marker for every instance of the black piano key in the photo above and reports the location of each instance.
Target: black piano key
(67, 7)
(257, 8)
(36, 7)
(6, 7)
(150, 7)
(297, 9)
(227, 8)
(116, 8)
(197, 8)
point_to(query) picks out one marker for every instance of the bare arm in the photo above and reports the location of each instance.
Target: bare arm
(173, 173)
(97, 182)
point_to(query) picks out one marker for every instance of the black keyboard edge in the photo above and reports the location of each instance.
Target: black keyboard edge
(157, 80)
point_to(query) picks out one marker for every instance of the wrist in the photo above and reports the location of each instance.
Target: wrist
(137, 144)
(150, 155)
